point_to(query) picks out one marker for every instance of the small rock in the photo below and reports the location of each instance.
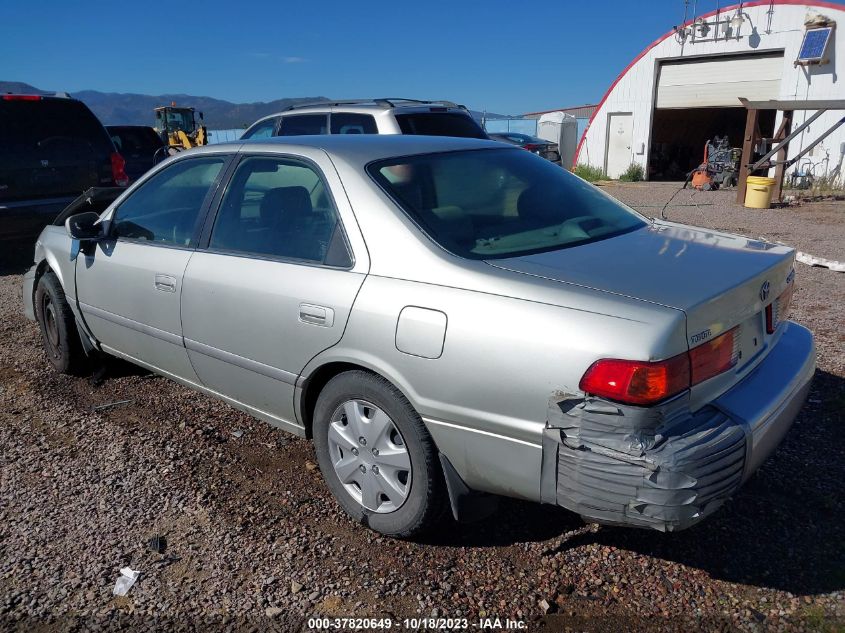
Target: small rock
(310, 466)
(273, 612)
(295, 587)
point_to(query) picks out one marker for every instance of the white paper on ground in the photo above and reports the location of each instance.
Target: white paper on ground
(124, 583)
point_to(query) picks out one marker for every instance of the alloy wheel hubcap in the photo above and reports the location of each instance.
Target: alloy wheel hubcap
(369, 456)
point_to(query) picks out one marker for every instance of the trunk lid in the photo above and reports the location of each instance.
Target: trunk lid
(718, 280)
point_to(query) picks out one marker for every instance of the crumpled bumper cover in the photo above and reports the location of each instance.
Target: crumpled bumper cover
(664, 467)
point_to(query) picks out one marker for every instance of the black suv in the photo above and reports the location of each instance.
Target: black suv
(52, 148)
(140, 145)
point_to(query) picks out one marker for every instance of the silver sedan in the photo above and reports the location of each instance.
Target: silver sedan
(451, 320)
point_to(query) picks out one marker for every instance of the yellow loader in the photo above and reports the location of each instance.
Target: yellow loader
(178, 127)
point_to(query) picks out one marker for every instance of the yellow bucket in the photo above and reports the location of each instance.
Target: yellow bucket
(758, 192)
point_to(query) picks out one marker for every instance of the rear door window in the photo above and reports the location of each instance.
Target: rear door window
(166, 208)
(279, 207)
(59, 128)
(352, 123)
(440, 124)
(304, 124)
(51, 147)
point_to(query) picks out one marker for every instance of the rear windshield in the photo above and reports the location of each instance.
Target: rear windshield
(492, 204)
(54, 126)
(440, 124)
(135, 140)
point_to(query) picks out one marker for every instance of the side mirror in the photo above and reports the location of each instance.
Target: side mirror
(84, 226)
(200, 116)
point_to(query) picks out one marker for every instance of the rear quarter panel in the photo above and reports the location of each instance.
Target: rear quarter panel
(485, 398)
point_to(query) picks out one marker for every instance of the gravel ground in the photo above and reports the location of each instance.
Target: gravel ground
(253, 538)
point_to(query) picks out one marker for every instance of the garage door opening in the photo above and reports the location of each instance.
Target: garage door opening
(698, 99)
(678, 137)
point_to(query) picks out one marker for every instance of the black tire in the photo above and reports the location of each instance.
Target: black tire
(426, 500)
(58, 327)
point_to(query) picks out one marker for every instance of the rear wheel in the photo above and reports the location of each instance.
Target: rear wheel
(376, 455)
(58, 326)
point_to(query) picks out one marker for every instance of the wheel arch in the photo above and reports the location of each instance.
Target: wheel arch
(48, 265)
(322, 368)
(319, 376)
(467, 505)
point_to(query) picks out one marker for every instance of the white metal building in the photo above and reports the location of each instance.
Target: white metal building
(684, 88)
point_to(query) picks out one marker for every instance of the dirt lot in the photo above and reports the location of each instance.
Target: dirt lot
(254, 538)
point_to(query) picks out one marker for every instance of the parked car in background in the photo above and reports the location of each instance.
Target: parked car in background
(445, 317)
(539, 146)
(369, 116)
(52, 148)
(139, 145)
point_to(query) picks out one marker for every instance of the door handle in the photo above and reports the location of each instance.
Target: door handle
(165, 283)
(316, 315)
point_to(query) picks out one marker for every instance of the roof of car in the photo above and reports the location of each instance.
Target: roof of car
(362, 148)
(365, 105)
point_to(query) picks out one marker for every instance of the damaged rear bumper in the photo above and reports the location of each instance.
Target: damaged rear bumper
(664, 467)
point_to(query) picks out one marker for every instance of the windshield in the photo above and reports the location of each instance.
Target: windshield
(180, 120)
(133, 140)
(491, 204)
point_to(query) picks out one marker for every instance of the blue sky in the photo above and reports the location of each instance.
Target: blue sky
(506, 57)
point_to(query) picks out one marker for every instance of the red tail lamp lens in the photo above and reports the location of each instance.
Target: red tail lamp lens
(645, 383)
(118, 170)
(21, 98)
(637, 382)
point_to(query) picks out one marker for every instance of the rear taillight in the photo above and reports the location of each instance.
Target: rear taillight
(637, 382)
(118, 170)
(714, 357)
(646, 383)
(22, 98)
(778, 310)
(531, 147)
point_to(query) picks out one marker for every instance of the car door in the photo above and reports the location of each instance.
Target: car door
(274, 286)
(129, 285)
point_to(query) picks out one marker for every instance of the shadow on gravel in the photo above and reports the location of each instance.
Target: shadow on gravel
(785, 529)
(514, 522)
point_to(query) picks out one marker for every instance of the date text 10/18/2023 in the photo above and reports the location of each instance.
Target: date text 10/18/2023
(415, 624)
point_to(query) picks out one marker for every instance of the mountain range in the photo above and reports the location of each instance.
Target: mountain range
(115, 108)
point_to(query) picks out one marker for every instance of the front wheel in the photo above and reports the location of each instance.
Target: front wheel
(58, 326)
(376, 455)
